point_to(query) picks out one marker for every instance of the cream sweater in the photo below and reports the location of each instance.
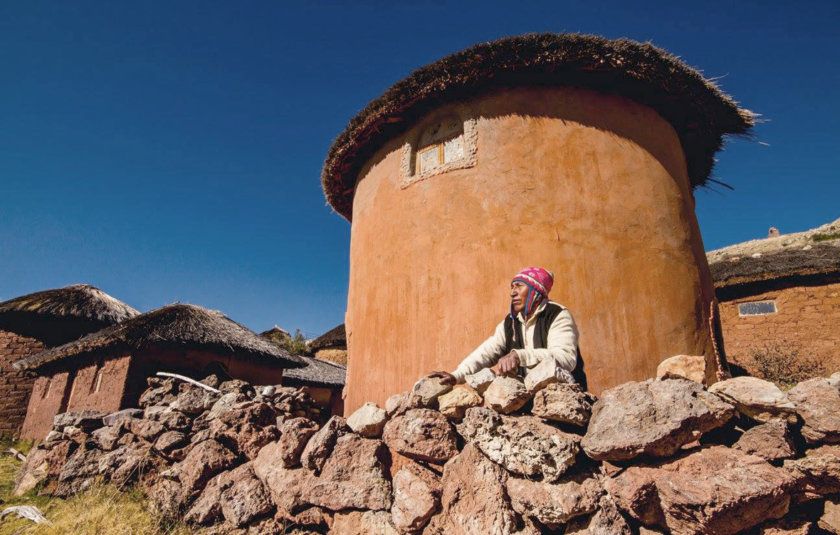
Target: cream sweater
(561, 345)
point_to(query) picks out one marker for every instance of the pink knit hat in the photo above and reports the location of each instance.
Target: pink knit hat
(538, 278)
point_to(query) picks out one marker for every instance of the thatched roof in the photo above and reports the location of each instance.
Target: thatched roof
(63, 314)
(171, 327)
(699, 112)
(315, 373)
(810, 254)
(335, 338)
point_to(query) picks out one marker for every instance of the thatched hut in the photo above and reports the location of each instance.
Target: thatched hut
(33, 322)
(322, 380)
(331, 346)
(107, 370)
(572, 152)
(780, 300)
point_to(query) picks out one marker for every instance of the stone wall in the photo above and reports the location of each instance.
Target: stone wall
(496, 456)
(15, 387)
(807, 322)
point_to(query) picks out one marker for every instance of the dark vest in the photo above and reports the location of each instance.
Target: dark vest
(514, 338)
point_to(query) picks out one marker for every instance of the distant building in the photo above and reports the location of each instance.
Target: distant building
(331, 346)
(571, 152)
(107, 370)
(32, 323)
(781, 295)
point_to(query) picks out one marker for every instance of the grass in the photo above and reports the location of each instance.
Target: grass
(784, 367)
(826, 237)
(101, 510)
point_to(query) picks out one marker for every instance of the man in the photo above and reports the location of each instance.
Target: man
(536, 329)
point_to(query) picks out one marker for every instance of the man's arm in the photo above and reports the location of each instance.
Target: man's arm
(484, 356)
(561, 344)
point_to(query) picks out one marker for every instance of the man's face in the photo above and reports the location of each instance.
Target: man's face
(518, 293)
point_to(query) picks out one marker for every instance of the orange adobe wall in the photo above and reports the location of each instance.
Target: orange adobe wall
(591, 186)
(807, 323)
(15, 386)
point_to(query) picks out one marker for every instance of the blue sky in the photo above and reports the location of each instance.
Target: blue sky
(171, 151)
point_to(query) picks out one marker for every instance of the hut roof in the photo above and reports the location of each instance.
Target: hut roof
(811, 253)
(334, 338)
(175, 326)
(316, 373)
(699, 112)
(62, 314)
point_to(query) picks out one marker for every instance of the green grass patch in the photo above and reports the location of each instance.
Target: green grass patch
(826, 237)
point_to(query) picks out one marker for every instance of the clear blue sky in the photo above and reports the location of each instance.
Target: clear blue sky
(170, 150)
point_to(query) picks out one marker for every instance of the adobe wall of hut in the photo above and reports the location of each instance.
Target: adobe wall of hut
(15, 386)
(591, 186)
(49, 397)
(804, 326)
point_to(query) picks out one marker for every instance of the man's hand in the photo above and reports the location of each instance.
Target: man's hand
(509, 364)
(446, 378)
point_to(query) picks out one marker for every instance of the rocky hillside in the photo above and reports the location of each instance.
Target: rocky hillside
(496, 456)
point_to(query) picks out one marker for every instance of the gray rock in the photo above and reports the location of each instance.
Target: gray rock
(193, 400)
(244, 497)
(563, 402)
(294, 434)
(554, 504)
(480, 380)
(170, 440)
(542, 375)
(506, 395)
(818, 404)
(422, 434)
(771, 441)
(756, 398)
(523, 445)
(368, 420)
(652, 417)
(426, 391)
(86, 420)
(321, 444)
(416, 497)
(115, 417)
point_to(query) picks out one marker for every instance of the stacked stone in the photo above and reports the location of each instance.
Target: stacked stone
(494, 456)
(15, 386)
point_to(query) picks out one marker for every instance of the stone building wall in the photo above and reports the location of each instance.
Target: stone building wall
(100, 385)
(48, 399)
(806, 321)
(15, 387)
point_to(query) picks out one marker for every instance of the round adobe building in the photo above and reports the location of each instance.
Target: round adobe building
(571, 152)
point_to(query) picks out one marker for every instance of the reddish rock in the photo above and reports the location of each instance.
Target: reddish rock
(563, 402)
(473, 498)
(148, 430)
(363, 523)
(715, 490)
(830, 519)
(244, 498)
(206, 509)
(818, 404)
(554, 504)
(416, 498)
(193, 400)
(652, 417)
(506, 395)
(398, 404)
(422, 434)
(294, 434)
(128, 463)
(607, 520)
(427, 390)
(321, 444)
(167, 499)
(246, 438)
(524, 445)
(33, 471)
(205, 460)
(817, 474)
(288, 488)
(756, 398)
(169, 441)
(691, 367)
(771, 441)
(106, 437)
(354, 477)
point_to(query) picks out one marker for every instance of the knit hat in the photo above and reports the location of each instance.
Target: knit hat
(539, 282)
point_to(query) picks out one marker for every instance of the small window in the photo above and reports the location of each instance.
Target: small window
(444, 145)
(97, 384)
(757, 308)
(47, 388)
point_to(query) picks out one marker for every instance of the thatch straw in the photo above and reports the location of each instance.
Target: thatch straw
(62, 314)
(171, 327)
(699, 112)
(335, 338)
(315, 373)
(819, 259)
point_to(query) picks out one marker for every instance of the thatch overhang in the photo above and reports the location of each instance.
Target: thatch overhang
(699, 111)
(62, 314)
(316, 373)
(335, 338)
(173, 327)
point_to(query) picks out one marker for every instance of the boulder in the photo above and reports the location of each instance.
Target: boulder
(106, 437)
(506, 395)
(363, 523)
(116, 417)
(33, 471)
(541, 375)
(169, 441)
(193, 400)
(416, 497)
(714, 490)
(148, 430)
(427, 390)
(160, 392)
(607, 520)
(368, 420)
(422, 434)
(484, 508)
(480, 380)
(205, 460)
(86, 420)
(818, 404)
(321, 443)
(455, 403)
(771, 441)
(817, 474)
(167, 499)
(206, 508)
(756, 398)
(691, 367)
(225, 403)
(243, 498)
(294, 434)
(245, 438)
(237, 386)
(523, 445)
(554, 504)
(830, 519)
(398, 404)
(288, 487)
(173, 420)
(129, 463)
(563, 402)
(83, 463)
(652, 417)
(75, 434)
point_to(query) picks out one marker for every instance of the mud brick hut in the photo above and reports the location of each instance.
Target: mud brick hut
(322, 380)
(107, 370)
(32, 323)
(572, 152)
(331, 346)
(780, 298)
